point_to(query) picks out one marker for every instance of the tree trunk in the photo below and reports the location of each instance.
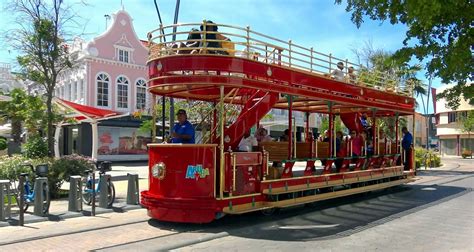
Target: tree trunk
(50, 128)
(16, 130)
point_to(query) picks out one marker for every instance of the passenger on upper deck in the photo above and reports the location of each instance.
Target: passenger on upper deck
(211, 34)
(351, 76)
(338, 74)
(248, 142)
(183, 130)
(194, 38)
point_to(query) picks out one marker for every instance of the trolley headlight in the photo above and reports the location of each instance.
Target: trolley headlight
(159, 170)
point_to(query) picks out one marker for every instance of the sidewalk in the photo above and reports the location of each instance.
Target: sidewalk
(59, 207)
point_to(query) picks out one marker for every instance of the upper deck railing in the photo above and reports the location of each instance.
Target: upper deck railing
(243, 42)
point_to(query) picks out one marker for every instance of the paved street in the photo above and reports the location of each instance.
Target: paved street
(434, 213)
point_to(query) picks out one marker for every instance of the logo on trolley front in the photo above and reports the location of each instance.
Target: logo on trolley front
(196, 172)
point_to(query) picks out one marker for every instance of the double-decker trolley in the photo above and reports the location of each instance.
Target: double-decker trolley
(232, 67)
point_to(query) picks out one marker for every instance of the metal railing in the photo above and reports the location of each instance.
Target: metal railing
(243, 42)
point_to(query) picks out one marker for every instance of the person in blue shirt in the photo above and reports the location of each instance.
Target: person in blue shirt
(183, 130)
(407, 143)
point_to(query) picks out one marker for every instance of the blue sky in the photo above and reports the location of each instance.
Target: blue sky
(310, 23)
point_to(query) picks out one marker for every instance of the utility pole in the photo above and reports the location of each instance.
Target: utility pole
(428, 117)
(107, 17)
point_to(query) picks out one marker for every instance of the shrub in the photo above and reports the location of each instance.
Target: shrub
(432, 158)
(3, 143)
(64, 167)
(36, 147)
(11, 167)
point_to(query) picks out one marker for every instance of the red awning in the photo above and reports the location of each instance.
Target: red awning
(83, 112)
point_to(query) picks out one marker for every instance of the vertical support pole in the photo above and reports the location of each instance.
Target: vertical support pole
(57, 133)
(331, 147)
(103, 194)
(5, 210)
(22, 200)
(41, 195)
(396, 131)
(163, 118)
(133, 189)
(294, 137)
(311, 60)
(290, 129)
(247, 43)
(289, 52)
(330, 62)
(95, 139)
(334, 135)
(309, 138)
(221, 144)
(153, 116)
(93, 193)
(75, 195)
(204, 36)
(214, 123)
(374, 131)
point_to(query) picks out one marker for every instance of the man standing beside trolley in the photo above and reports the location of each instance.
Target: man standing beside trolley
(407, 143)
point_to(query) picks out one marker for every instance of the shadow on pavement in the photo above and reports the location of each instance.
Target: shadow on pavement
(326, 219)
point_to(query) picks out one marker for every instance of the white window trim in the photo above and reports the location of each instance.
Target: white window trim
(136, 94)
(128, 94)
(124, 48)
(96, 101)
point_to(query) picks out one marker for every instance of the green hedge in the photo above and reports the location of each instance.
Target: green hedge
(432, 158)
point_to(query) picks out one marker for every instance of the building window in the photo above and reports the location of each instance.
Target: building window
(122, 92)
(141, 94)
(123, 55)
(103, 90)
(451, 117)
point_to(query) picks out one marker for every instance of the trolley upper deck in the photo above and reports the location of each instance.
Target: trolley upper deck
(246, 61)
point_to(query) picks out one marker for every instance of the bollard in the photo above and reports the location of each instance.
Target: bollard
(75, 194)
(41, 196)
(103, 194)
(5, 210)
(132, 190)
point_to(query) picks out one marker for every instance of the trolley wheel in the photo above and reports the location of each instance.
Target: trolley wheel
(269, 211)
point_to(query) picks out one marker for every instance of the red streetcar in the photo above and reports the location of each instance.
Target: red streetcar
(232, 67)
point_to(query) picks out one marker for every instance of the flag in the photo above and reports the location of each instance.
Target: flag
(433, 94)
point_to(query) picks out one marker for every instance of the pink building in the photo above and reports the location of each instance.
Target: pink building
(109, 72)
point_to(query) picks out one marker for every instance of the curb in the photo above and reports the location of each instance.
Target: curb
(59, 216)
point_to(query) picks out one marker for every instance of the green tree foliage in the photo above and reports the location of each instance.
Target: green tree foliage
(467, 123)
(24, 111)
(40, 39)
(438, 31)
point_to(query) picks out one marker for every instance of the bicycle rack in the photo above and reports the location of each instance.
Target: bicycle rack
(5, 210)
(75, 194)
(40, 184)
(103, 194)
(132, 190)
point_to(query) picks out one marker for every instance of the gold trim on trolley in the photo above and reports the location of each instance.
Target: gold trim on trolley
(180, 145)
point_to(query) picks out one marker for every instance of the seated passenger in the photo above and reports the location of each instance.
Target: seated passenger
(211, 36)
(286, 136)
(337, 74)
(262, 135)
(248, 142)
(193, 40)
(351, 76)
